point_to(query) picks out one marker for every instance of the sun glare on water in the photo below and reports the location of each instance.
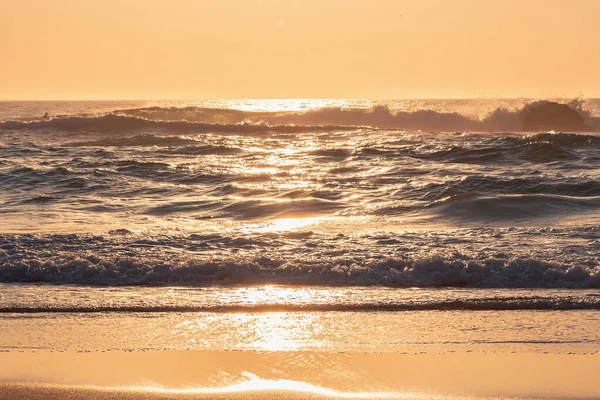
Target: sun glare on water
(278, 330)
(288, 224)
(253, 383)
(283, 225)
(280, 105)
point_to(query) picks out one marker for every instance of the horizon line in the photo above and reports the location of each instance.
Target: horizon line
(310, 98)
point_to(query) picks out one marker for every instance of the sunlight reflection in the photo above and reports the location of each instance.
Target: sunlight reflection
(288, 224)
(282, 225)
(276, 295)
(277, 331)
(274, 105)
(271, 330)
(255, 383)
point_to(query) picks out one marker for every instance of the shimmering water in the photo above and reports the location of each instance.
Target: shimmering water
(296, 192)
(360, 209)
(272, 318)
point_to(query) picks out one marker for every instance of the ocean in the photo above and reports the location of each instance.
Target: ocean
(325, 225)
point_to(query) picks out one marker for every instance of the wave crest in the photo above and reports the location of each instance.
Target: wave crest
(92, 269)
(202, 119)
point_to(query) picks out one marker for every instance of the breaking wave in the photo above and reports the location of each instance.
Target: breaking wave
(293, 258)
(500, 120)
(202, 119)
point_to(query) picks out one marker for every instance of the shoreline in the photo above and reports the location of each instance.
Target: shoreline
(210, 374)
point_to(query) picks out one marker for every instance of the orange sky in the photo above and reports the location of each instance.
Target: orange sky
(202, 49)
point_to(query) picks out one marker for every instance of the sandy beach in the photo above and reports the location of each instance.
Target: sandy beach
(207, 374)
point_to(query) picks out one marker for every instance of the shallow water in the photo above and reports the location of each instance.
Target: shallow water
(274, 318)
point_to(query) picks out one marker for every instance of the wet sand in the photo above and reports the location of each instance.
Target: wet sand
(24, 392)
(206, 374)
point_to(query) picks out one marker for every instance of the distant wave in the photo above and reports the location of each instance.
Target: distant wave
(541, 147)
(116, 123)
(500, 120)
(476, 304)
(201, 119)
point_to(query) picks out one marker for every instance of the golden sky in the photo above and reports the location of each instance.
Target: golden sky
(203, 49)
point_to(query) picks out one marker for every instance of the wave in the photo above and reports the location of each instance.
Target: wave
(559, 139)
(470, 207)
(138, 140)
(536, 148)
(381, 116)
(571, 188)
(496, 199)
(116, 123)
(203, 150)
(476, 304)
(244, 209)
(201, 119)
(176, 145)
(90, 267)
(478, 149)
